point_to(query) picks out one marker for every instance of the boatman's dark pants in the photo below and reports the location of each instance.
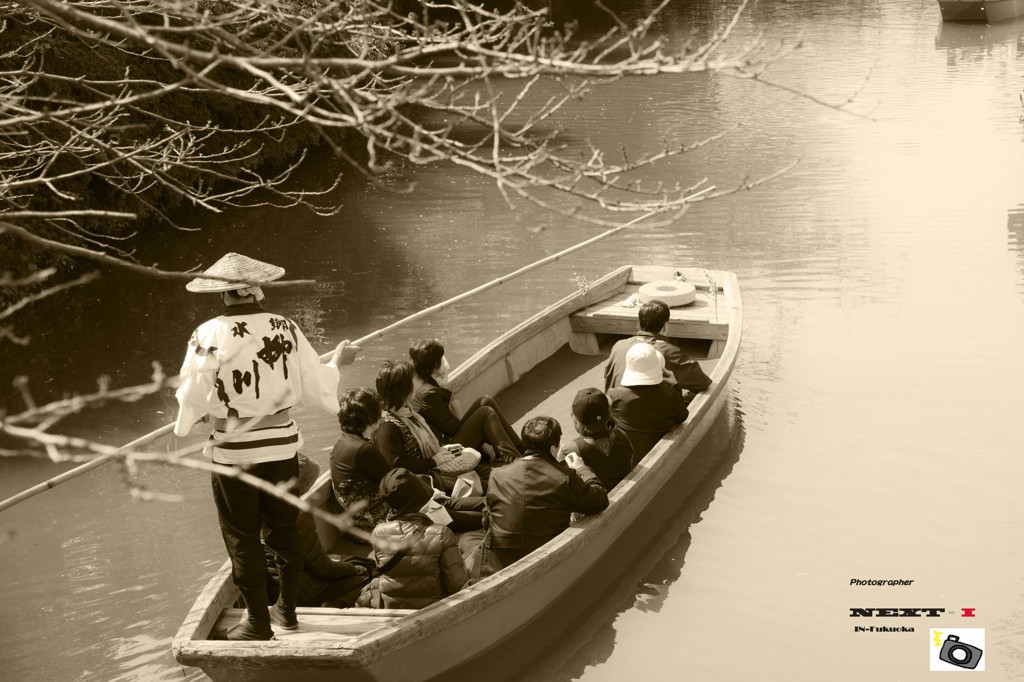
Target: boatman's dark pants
(244, 511)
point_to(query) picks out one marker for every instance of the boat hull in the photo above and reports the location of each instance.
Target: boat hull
(989, 11)
(424, 644)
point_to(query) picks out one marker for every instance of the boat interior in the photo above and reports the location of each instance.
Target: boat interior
(547, 388)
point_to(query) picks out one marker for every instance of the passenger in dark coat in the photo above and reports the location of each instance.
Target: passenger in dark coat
(404, 438)
(646, 406)
(531, 500)
(680, 371)
(482, 422)
(357, 466)
(604, 447)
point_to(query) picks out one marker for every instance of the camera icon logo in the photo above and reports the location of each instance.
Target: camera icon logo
(960, 650)
(960, 653)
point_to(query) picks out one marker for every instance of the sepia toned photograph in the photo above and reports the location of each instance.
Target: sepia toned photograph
(511, 340)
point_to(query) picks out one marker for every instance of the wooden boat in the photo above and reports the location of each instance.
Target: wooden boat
(989, 11)
(535, 368)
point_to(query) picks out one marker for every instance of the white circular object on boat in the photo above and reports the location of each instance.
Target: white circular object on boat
(670, 291)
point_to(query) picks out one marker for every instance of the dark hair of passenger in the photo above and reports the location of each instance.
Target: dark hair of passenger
(596, 430)
(426, 357)
(653, 315)
(394, 383)
(541, 434)
(360, 408)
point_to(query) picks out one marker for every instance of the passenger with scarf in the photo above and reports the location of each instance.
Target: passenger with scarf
(406, 441)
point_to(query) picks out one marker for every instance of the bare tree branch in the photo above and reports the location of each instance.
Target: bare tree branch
(40, 295)
(61, 448)
(103, 258)
(155, 104)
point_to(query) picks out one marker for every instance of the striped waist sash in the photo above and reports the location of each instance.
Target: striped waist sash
(264, 439)
(252, 423)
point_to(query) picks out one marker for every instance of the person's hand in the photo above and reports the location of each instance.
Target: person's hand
(573, 460)
(563, 450)
(345, 354)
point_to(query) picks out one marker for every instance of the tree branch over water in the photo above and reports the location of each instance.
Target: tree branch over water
(115, 110)
(32, 428)
(416, 82)
(118, 109)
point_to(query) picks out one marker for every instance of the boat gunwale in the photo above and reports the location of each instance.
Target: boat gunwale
(361, 650)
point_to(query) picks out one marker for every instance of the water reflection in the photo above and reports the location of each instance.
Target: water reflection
(1015, 236)
(645, 563)
(141, 657)
(978, 41)
(660, 564)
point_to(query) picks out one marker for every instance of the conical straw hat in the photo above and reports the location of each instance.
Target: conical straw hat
(241, 269)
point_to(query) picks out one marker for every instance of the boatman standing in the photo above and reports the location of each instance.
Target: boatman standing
(245, 369)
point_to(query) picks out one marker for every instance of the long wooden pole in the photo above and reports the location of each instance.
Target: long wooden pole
(167, 428)
(501, 280)
(88, 466)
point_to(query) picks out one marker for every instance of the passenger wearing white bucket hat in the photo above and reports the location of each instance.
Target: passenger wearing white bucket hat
(652, 319)
(645, 366)
(646, 406)
(246, 368)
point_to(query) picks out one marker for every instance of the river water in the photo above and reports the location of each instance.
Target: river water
(872, 429)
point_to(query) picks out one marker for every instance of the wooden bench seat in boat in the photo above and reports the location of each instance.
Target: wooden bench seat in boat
(704, 319)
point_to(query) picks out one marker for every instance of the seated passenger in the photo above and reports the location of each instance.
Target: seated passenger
(427, 566)
(325, 581)
(357, 466)
(406, 441)
(531, 500)
(646, 406)
(483, 421)
(680, 370)
(604, 447)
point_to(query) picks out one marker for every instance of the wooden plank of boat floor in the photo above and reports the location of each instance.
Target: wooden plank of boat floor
(548, 388)
(323, 623)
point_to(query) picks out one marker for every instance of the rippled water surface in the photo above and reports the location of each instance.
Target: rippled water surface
(873, 426)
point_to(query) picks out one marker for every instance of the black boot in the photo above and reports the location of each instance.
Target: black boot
(283, 616)
(257, 625)
(250, 630)
(282, 613)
